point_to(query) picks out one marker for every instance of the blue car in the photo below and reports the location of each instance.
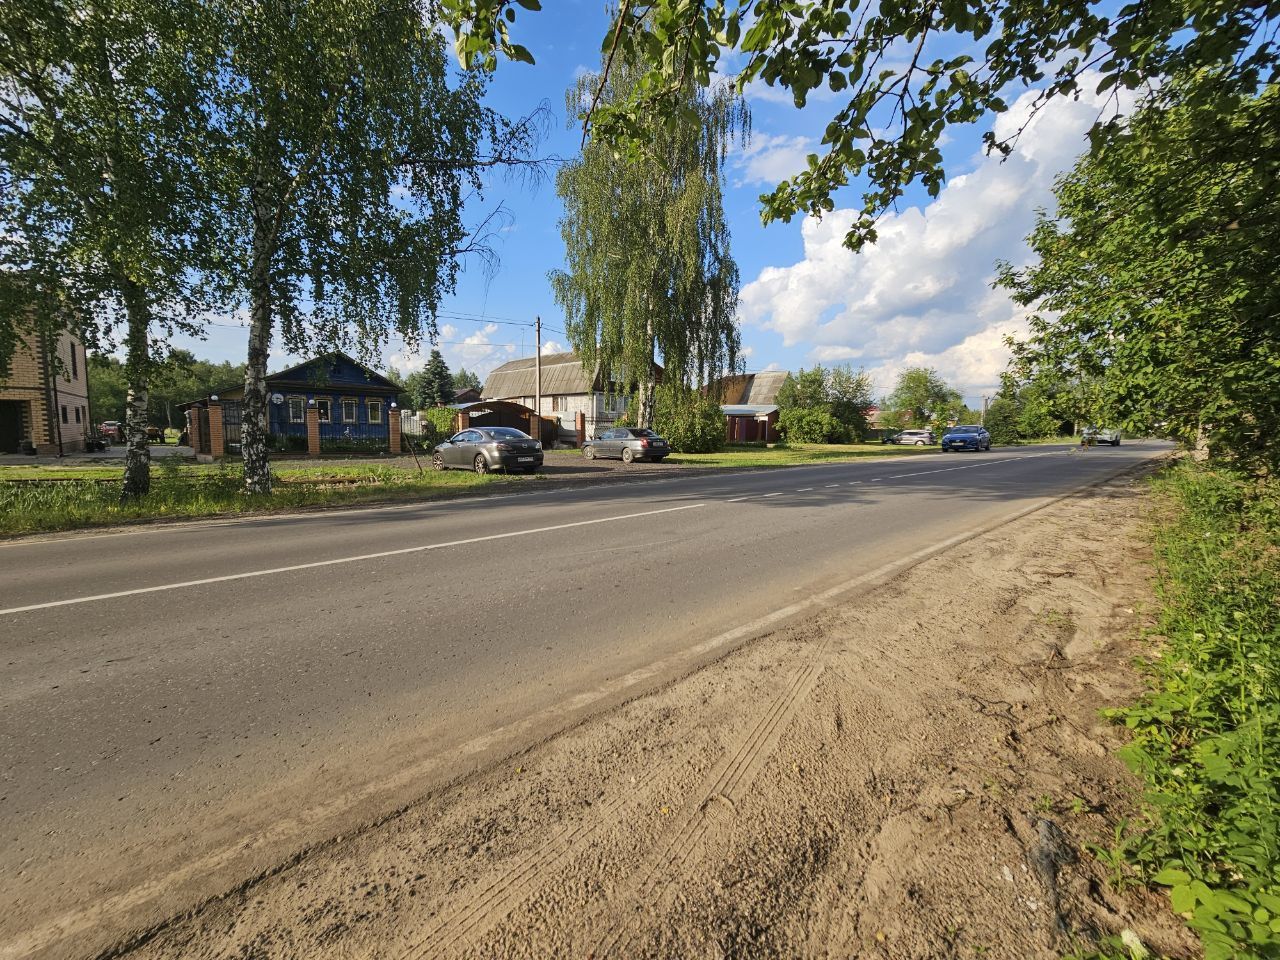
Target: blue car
(968, 437)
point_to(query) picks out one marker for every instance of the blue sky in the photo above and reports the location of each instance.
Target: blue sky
(921, 296)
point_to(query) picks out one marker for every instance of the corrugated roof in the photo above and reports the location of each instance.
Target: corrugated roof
(753, 388)
(562, 373)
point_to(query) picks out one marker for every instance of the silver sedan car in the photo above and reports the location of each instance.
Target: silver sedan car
(483, 449)
(628, 443)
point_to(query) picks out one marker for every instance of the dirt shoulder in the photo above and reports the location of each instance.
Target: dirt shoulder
(912, 773)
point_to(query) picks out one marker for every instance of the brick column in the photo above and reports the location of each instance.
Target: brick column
(393, 431)
(464, 421)
(193, 429)
(580, 425)
(217, 438)
(313, 430)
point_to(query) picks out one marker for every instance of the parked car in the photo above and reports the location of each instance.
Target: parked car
(1103, 435)
(966, 437)
(155, 435)
(489, 448)
(918, 438)
(113, 430)
(629, 443)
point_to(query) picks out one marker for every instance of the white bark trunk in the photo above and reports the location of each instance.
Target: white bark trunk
(253, 424)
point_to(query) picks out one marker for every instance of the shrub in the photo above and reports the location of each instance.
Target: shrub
(691, 421)
(808, 425)
(1002, 421)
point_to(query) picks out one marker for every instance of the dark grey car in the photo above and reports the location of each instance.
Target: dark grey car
(627, 443)
(489, 448)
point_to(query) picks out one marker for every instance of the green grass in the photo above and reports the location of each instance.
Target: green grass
(1206, 736)
(786, 456)
(191, 491)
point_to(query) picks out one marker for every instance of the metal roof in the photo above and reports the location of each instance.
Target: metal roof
(748, 409)
(562, 373)
(753, 388)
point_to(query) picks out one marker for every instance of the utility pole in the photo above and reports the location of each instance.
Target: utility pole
(985, 400)
(537, 377)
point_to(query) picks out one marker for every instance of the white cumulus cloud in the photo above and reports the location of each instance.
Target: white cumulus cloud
(922, 294)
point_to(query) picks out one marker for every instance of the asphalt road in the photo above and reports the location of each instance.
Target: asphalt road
(186, 706)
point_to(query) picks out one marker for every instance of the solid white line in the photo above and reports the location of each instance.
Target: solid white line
(339, 560)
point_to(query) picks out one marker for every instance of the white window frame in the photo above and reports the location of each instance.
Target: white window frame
(355, 406)
(302, 409)
(373, 409)
(324, 409)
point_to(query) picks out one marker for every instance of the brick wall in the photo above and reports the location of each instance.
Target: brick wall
(31, 377)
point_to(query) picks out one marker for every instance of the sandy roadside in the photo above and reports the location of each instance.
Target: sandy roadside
(913, 773)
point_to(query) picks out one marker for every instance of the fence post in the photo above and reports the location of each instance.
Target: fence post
(217, 437)
(393, 431)
(580, 425)
(464, 421)
(313, 429)
(193, 428)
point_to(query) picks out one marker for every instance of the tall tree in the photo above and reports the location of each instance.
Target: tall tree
(464, 379)
(648, 269)
(921, 397)
(1157, 281)
(896, 100)
(346, 151)
(438, 381)
(101, 106)
(851, 397)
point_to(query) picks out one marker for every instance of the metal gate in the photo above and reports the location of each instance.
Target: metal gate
(232, 418)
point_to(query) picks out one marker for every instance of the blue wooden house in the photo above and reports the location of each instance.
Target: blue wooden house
(353, 404)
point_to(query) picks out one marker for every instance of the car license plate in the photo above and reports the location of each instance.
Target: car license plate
(525, 460)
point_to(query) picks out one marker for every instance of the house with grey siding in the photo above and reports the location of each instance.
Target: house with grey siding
(567, 390)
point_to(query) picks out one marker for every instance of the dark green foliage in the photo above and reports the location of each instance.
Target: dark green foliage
(464, 379)
(1206, 737)
(895, 98)
(437, 383)
(1002, 421)
(921, 398)
(1160, 277)
(689, 419)
(809, 425)
(824, 406)
(175, 379)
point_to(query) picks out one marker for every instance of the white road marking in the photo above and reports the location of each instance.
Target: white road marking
(830, 485)
(804, 489)
(770, 495)
(739, 499)
(340, 560)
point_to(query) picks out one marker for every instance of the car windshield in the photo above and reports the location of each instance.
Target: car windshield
(964, 429)
(506, 433)
(641, 432)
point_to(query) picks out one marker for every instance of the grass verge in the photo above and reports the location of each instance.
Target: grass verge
(1206, 737)
(191, 491)
(787, 456)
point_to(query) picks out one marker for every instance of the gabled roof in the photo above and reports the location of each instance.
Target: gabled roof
(562, 373)
(324, 368)
(748, 409)
(752, 388)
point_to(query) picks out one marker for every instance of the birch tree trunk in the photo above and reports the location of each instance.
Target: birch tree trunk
(253, 425)
(644, 413)
(137, 457)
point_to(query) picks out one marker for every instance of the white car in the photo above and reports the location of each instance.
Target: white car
(1103, 435)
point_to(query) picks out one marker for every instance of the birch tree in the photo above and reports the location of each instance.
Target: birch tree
(100, 105)
(648, 267)
(348, 149)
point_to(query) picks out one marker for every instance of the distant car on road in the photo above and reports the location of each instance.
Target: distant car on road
(1103, 435)
(483, 449)
(916, 438)
(629, 443)
(155, 435)
(966, 437)
(113, 430)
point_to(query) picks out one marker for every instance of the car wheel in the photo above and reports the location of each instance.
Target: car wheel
(481, 464)
(589, 452)
(437, 462)
(628, 455)
(531, 470)
(658, 459)
(1115, 442)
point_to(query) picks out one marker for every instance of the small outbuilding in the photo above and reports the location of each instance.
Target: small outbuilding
(749, 402)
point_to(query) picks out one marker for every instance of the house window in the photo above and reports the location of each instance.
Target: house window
(350, 411)
(77, 414)
(297, 410)
(559, 404)
(75, 366)
(375, 411)
(323, 409)
(64, 415)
